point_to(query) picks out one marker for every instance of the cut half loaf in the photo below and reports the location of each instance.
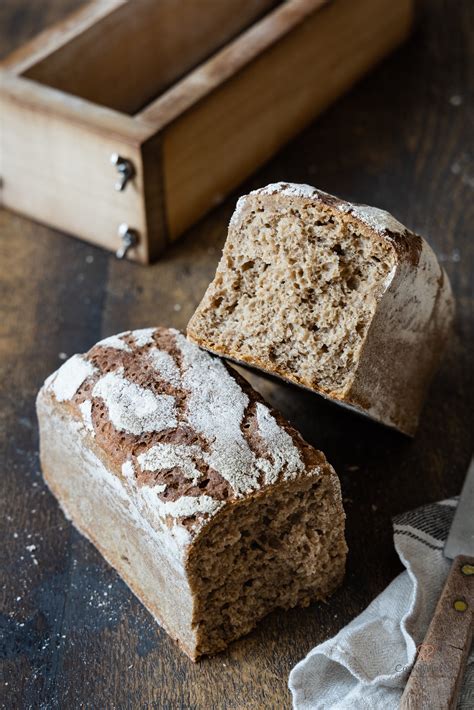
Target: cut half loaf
(337, 297)
(209, 505)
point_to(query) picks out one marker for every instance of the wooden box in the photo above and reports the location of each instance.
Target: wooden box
(176, 101)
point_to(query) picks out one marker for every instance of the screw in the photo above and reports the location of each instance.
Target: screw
(129, 239)
(125, 170)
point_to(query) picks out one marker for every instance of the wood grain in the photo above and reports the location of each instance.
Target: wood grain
(73, 636)
(204, 82)
(125, 53)
(218, 142)
(435, 680)
(58, 169)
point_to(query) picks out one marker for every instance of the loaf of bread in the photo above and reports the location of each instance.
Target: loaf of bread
(209, 505)
(337, 297)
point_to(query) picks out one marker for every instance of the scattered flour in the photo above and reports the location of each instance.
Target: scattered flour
(165, 366)
(132, 408)
(377, 219)
(86, 411)
(70, 376)
(280, 444)
(167, 456)
(143, 337)
(115, 342)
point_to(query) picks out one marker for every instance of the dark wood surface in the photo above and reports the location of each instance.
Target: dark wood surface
(72, 635)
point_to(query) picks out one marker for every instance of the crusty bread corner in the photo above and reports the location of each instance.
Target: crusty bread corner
(370, 335)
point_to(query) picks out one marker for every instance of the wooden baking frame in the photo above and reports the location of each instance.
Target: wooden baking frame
(229, 93)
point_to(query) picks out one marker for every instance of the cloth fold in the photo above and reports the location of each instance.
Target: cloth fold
(366, 665)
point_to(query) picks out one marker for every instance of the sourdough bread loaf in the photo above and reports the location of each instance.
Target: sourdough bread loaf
(337, 297)
(209, 505)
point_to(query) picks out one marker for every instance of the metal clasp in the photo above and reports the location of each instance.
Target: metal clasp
(129, 239)
(125, 170)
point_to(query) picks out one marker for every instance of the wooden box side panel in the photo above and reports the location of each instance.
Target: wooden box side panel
(209, 150)
(58, 172)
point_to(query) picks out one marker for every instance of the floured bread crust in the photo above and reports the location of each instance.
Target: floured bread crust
(173, 441)
(337, 297)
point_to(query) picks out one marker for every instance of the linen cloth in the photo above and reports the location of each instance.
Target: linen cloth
(366, 665)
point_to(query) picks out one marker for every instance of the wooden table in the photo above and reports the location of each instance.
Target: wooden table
(73, 634)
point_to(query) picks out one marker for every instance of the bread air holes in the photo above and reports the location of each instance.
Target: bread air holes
(323, 222)
(353, 283)
(295, 517)
(247, 265)
(296, 274)
(309, 296)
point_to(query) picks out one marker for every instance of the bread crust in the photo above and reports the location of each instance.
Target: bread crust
(100, 448)
(407, 335)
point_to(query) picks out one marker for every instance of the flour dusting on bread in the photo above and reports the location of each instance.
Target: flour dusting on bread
(200, 395)
(212, 508)
(134, 409)
(70, 377)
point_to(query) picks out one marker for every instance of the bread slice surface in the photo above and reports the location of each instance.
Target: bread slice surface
(336, 297)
